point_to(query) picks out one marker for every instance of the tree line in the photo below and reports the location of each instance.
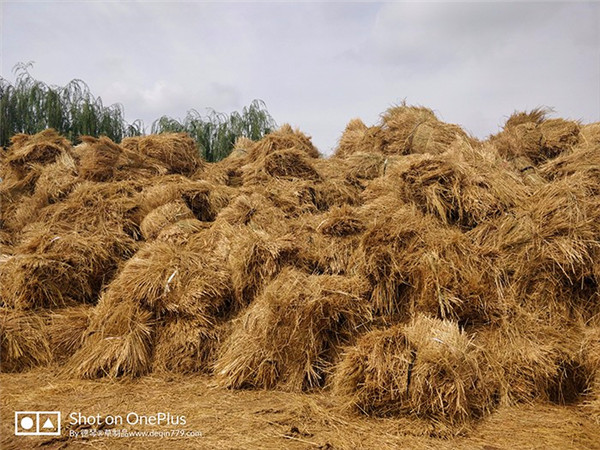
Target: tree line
(29, 106)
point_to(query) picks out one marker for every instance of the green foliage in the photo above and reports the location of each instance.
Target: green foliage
(216, 132)
(29, 106)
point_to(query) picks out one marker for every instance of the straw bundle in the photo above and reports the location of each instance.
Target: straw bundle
(358, 138)
(180, 232)
(42, 148)
(548, 249)
(177, 151)
(23, 340)
(57, 180)
(534, 136)
(428, 368)
(185, 345)
(459, 187)
(558, 136)
(256, 257)
(288, 164)
(163, 216)
(411, 129)
(92, 206)
(530, 360)
(292, 333)
(99, 157)
(56, 267)
(67, 329)
(328, 241)
(282, 139)
(118, 341)
(255, 210)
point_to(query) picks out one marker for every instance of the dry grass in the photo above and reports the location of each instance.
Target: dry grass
(292, 333)
(427, 368)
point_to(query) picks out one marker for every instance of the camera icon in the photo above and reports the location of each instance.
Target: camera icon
(37, 423)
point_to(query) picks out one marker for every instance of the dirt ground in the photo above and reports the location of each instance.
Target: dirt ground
(263, 419)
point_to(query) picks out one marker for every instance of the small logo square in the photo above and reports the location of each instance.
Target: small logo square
(37, 423)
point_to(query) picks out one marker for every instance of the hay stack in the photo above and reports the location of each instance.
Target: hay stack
(532, 135)
(412, 129)
(163, 216)
(177, 151)
(99, 156)
(27, 151)
(23, 340)
(428, 368)
(292, 333)
(528, 359)
(459, 187)
(282, 139)
(358, 138)
(67, 329)
(163, 290)
(256, 258)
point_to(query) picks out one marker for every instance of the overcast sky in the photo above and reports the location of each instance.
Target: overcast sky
(317, 65)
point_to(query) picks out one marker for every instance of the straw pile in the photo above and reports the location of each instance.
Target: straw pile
(418, 271)
(427, 368)
(292, 332)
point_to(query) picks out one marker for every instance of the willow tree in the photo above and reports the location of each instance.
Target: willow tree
(30, 106)
(215, 133)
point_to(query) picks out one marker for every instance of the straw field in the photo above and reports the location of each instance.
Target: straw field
(419, 283)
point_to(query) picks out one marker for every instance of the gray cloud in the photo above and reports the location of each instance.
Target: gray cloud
(317, 65)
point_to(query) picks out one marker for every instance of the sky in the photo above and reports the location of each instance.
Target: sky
(316, 65)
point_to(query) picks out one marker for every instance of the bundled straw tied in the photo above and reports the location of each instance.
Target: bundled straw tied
(56, 267)
(180, 232)
(428, 368)
(358, 138)
(163, 216)
(177, 151)
(590, 356)
(533, 135)
(548, 249)
(288, 164)
(42, 148)
(460, 188)
(256, 257)
(23, 340)
(416, 264)
(412, 129)
(67, 329)
(528, 359)
(118, 341)
(161, 285)
(282, 139)
(203, 198)
(292, 333)
(255, 210)
(185, 345)
(328, 241)
(99, 156)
